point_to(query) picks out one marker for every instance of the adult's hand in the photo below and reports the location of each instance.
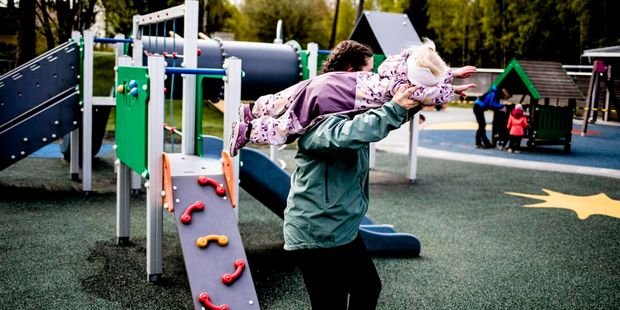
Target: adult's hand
(464, 72)
(402, 95)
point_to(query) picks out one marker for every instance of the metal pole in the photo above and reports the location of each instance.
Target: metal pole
(74, 147)
(232, 101)
(190, 61)
(313, 59)
(414, 134)
(87, 113)
(274, 151)
(137, 42)
(154, 185)
(123, 180)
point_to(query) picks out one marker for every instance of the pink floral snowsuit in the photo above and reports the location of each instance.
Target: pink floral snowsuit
(282, 117)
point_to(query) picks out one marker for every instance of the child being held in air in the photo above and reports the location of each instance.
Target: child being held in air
(282, 117)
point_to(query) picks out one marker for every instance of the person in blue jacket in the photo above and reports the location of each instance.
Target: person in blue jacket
(489, 101)
(328, 199)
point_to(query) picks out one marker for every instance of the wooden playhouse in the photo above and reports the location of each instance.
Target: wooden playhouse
(549, 97)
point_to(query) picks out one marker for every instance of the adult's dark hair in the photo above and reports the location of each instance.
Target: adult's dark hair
(347, 55)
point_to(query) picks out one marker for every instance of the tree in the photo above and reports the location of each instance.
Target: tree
(347, 17)
(417, 13)
(58, 18)
(216, 15)
(332, 40)
(304, 21)
(26, 35)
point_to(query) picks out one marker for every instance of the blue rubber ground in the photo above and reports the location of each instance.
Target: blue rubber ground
(53, 151)
(600, 148)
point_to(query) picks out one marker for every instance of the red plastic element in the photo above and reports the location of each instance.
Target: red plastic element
(199, 52)
(174, 55)
(186, 218)
(219, 188)
(165, 90)
(205, 301)
(228, 278)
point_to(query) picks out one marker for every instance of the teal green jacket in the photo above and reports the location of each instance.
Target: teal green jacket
(329, 187)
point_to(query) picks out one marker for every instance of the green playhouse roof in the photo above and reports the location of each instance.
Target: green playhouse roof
(385, 33)
(539, 79)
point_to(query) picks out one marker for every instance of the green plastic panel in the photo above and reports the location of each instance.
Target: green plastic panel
(553, 122)
(378, 60)
(131, 117)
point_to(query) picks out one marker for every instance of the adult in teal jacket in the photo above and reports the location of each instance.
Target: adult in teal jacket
(490, 100)
(329, 198)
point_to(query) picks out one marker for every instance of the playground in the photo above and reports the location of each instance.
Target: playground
(160, 215)
(482, 248)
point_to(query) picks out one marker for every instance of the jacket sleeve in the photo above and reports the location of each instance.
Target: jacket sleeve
(341, 132)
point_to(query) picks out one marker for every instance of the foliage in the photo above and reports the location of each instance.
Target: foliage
(490, 32)
(119, 13)
(59, 17)
(303, 21)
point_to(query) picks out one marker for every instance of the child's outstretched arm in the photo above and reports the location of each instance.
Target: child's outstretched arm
(460, 89)
(439, 94)
(464, 72)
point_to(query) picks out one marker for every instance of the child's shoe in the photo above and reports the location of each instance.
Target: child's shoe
(245, 113)
(239, 137)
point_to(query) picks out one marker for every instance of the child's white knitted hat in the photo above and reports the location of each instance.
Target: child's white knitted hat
(421, 63)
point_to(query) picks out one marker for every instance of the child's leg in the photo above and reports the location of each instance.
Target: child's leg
(273, 105)
(274, 131)
(517, 145)
(513, 142)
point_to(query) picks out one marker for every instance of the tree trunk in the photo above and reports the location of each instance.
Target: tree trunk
(332, 41)
(26, 35)
(44, 19)
(360, 10)
(205, 18)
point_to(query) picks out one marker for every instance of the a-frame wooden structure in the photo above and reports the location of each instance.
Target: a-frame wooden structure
(552, 97)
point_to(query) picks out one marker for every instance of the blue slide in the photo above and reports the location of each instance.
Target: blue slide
(269, 184)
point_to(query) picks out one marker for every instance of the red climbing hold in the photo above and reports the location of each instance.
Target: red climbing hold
(205, 301)
(186, 218)
(219, 188)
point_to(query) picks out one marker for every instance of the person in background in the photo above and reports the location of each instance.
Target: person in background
(517, 124)
(490, 100)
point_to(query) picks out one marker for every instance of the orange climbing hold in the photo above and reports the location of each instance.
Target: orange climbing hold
(202, 242)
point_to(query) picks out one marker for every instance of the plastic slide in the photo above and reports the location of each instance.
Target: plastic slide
(39, 103)
(269, 184)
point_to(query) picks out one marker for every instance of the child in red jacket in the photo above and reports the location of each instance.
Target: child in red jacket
(517, 123)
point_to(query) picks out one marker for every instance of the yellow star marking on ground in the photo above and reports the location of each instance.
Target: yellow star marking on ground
(584, 206)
